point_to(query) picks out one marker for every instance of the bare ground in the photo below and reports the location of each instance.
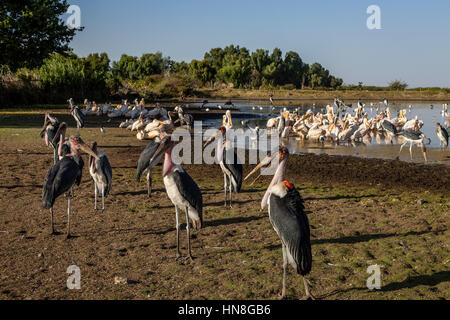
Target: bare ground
(362, 212)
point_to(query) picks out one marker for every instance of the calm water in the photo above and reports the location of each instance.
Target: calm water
(429, 113)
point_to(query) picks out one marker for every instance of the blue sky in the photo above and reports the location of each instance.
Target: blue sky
(413, 44)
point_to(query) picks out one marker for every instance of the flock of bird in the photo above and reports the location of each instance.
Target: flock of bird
(338, 125)
(285, 204)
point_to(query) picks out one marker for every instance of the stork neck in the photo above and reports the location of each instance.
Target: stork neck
(168, 162)
(220, 147)
(277, 178)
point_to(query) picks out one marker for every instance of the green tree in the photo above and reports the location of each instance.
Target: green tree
(151, 63)
(398, 85)
(260, 59)
(202, 71)
(293, 69)
(30, 30)
(126, 67)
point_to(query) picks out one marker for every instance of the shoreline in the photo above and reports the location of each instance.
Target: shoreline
(314, 95)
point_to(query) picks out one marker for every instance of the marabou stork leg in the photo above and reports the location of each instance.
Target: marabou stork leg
(285, 264)
(149, 183)
(95, 196)
(225, 187)
(410, 150)
(401, 147)
(178, 233)
(188, 230)
(308, 294)
(424, 150)
(55, 155)
(231, 193)
(68, 212)
(51, 214)
(103, 197)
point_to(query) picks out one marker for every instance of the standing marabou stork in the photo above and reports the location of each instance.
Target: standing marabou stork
(413, 137)
(77, 114)
(181, 190)
(49, 132)
(101, 173)
(229, 163)
(144, 162)
(63, 175)
(286, 213)
(442, 135)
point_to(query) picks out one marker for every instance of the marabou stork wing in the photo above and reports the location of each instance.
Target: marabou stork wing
(51, 132)
(144, 158)
(444, 133)
(59, 179)
(48, 190)
(235, 168)
(412, 135)
(79, 117)
(189, 119)
(291, 222)
(388, 126)
(189, 190)
(107, 171)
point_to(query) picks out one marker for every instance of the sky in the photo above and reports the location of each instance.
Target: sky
(413, 44)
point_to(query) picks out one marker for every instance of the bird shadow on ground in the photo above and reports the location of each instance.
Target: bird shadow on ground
(368, 237)
(216, 191)
(338, 197)
(125, 167)
(426, 280)
(21, 186)
(359, 238)
(136, 193)
(228, 221)
(129, 230)
(411, 282)
(221, 203)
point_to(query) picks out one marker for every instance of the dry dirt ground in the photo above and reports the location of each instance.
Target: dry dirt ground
(362, 212)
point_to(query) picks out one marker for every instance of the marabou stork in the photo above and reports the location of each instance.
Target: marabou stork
(442, 135)
(184, 118)
(144, 162)
(101, 173)
(49, 132)
(413, 137)
(181, 190)
(229, 163)
(77, 114)
(62, 177)
(288, 218)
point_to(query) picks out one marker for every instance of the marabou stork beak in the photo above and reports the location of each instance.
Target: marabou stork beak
(163, 146)
(211, 139)
(264, 163)
(62, 126)
(84, 147)
(46, 123)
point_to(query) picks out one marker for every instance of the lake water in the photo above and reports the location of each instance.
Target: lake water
(429, 113)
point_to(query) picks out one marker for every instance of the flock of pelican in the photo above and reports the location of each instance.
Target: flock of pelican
(339, 126)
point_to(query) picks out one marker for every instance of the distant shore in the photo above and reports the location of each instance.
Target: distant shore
(261, 94)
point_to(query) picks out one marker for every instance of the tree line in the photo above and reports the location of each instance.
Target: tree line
(153, 75)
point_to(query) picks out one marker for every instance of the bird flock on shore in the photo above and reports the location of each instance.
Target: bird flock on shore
(285, 204)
